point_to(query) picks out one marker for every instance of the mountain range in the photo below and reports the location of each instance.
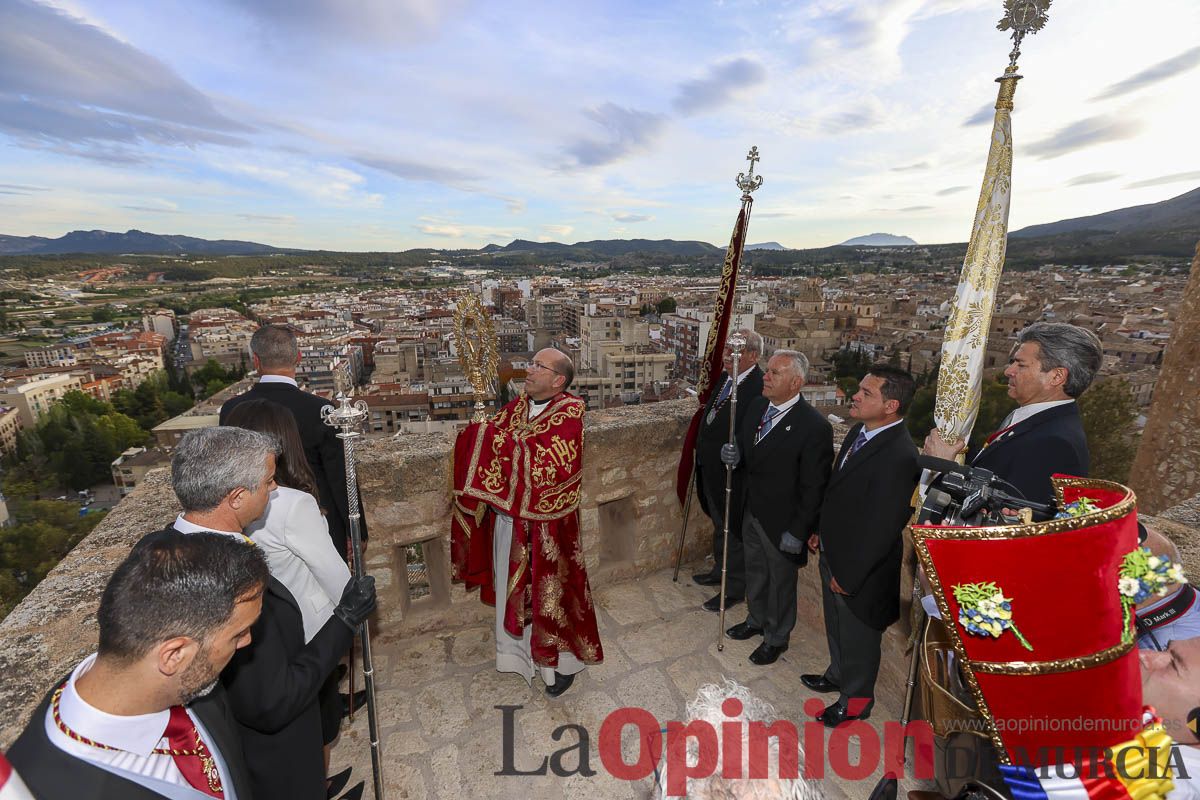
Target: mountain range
(1170, 227)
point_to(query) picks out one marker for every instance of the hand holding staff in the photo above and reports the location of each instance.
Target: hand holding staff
(348, 418)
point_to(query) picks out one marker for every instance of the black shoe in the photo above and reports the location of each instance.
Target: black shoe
(767, 654)
(707, 578)
(838, 713)
(743, 631)
(714, 603)
(819, 683)
(355, 793)
(560, 685)
(335, 783)
(360, 699)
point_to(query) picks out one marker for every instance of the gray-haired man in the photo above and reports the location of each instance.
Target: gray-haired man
(223, 478)
(1052, 364)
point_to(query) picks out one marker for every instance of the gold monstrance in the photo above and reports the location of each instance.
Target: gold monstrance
(477, 351)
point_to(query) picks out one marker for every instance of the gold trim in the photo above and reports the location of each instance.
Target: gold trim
(1075, 664)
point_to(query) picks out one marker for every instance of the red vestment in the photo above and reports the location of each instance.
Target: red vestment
(530, 470)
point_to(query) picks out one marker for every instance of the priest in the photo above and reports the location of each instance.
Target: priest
(515, 527)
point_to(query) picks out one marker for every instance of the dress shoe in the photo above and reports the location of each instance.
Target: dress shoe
(335, 783)
(767, 653)
(560, 685)
(818, 683)
(707, 578)
(356, 792)
(360, 699)
(743, 631)
(838, 713)
(714, 603)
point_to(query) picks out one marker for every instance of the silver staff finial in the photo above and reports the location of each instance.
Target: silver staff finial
(1022, 17)
(748, 181)
(347, 415)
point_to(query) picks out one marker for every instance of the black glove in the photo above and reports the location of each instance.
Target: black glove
(730, 455)
(358, 601)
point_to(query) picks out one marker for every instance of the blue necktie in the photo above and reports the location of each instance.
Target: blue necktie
(721, 398)
(856, 445)
(768, 422)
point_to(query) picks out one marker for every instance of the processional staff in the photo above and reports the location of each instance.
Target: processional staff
(737, 343)
(724, 308)
(348, 418)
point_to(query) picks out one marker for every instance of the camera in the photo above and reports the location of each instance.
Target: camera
(972, 497)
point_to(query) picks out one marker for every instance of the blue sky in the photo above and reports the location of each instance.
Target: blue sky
(390, 124)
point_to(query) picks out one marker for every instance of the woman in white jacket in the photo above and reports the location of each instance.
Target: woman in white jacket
(294, 537)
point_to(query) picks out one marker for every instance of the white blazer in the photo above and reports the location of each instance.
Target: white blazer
(294, 537)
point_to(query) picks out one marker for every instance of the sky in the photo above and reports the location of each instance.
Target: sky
(394, 124)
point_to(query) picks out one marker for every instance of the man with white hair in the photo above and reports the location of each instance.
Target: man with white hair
(711, 705)
(786, 449)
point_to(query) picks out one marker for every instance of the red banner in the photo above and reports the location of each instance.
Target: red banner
(714, 350)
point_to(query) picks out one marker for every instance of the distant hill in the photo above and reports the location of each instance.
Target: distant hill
(132, 241)
(1182, 212)
(609, 248)
(766, 246)
(878, 240)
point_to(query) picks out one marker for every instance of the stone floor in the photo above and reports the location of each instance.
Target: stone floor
(441, 736)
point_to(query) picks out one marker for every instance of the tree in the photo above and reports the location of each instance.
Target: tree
(1108, 412)
(667, 305)
(103, 314)
(42, 533)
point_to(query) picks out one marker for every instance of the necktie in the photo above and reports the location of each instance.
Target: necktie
(721, 398)
(768, 421)
(856, 445)
(191, 754)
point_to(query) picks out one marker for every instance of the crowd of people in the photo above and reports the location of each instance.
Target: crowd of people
(221, 636)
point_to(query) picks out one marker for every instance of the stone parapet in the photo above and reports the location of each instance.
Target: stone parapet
(629, 513)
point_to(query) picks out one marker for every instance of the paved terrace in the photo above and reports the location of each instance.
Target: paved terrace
(438, 685)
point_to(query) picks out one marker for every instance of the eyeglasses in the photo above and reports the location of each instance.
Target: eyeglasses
(540, 365)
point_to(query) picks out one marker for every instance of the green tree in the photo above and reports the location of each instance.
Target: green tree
(42, 533)
(1108, 412)
(667, 305)
(103, 314)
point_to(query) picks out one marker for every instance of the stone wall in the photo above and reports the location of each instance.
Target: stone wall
(1166, 470)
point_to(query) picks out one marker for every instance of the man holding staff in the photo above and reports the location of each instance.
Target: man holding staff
(515, 527)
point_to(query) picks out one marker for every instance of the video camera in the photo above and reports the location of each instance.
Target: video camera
(972, 497)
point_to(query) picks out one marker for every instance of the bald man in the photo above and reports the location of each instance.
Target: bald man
(515, 530)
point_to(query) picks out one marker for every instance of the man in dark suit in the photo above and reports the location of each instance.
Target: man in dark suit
(867, 504)
(710, 472)
(223, 478)
(172, 615)
(786, 448)
(1052, 365)
(275, 355)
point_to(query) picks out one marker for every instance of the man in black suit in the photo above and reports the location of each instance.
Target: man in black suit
(867, 504)
(172, 615)
(223, 478)
(786, 448)
(275, 354)
(710, 472)
(1052, 365)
